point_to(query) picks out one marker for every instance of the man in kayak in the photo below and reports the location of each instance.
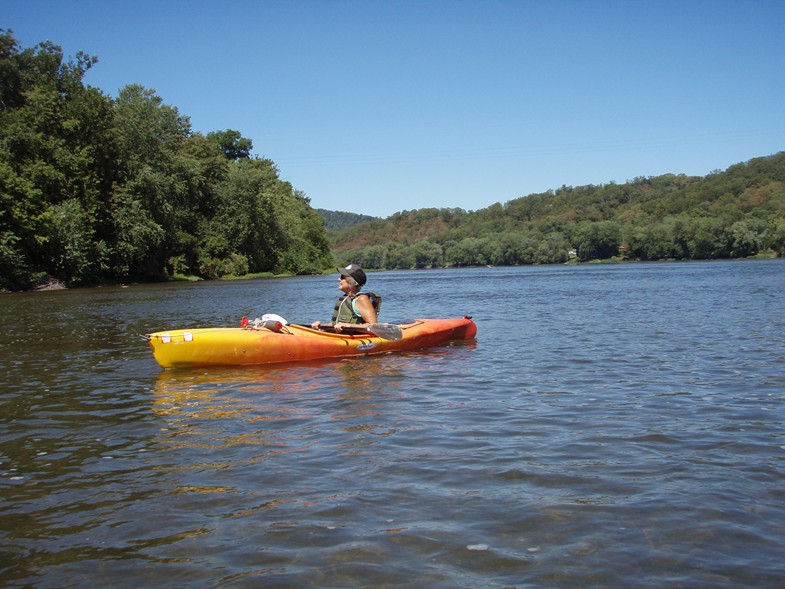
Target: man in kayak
(354, 307)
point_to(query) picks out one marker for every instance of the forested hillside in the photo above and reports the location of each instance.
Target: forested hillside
(736, 213)
(95, 189)
(340, 220)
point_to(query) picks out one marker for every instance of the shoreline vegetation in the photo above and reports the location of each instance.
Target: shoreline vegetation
(54, 284)
(99, 190)
(731, 214)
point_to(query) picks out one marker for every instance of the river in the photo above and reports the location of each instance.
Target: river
(611, 426)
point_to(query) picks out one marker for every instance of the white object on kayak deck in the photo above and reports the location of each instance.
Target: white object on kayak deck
(274, 317)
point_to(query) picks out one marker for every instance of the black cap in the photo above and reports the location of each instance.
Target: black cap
(354, 271)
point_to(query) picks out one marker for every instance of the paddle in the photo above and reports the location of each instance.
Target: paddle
(386, 331)
(383, 330)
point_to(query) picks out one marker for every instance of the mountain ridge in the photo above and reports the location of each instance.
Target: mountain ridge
(736, 212)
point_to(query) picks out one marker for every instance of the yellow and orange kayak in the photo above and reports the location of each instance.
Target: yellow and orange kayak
(237, 346)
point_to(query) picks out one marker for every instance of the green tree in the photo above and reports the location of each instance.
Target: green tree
(427, 254)
(265, 220)
(374, 256)
(747, 237)
(470, 251)
(553, 249)
(776, 238)
(652, 242)
(54, 133)
(709, 240)
(151, 201)
(400, 257)
(598, 240)
(231, 143)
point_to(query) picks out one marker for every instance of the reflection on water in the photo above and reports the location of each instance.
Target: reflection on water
(196, 401)
(285, 383)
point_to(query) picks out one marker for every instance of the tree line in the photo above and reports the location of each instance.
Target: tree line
(736, 213)
(339, 220)
(97, 189)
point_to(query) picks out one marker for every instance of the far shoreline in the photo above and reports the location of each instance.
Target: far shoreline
(51, 284)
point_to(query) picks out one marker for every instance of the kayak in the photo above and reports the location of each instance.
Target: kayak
(274, 342)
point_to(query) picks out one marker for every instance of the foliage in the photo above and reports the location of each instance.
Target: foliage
(339, 220)
(736, 213)
(97, 189)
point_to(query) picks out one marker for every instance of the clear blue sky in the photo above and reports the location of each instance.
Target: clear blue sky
(376, 107)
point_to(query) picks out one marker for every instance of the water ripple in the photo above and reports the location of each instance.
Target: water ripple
(625, 430)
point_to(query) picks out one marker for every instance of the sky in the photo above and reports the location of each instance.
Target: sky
(376, 107)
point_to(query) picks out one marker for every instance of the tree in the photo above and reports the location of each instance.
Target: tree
(266, 221)
(709, 240)
(400, 257)
(53, 166)
(470, 251)
(553, 249)
(427, 254)
(747, 237)
(776, 239)
(652, 242)
(151, 202)
(231, 143)
(597, 240)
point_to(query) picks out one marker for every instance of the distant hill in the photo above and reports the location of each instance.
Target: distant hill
(736, 213)
(340, 220)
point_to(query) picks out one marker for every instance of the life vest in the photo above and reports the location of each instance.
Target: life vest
(346, 310)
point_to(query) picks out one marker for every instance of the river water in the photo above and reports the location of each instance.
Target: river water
(612, 426)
